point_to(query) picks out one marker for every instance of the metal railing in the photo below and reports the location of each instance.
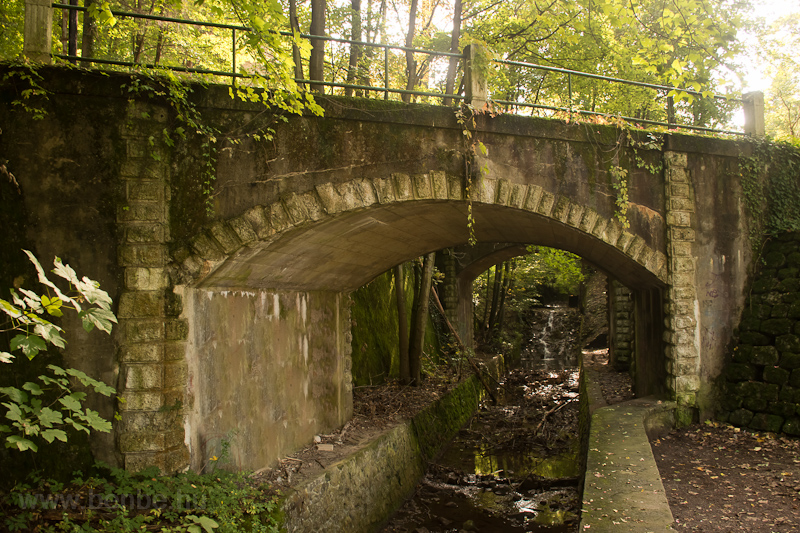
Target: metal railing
(555, 102)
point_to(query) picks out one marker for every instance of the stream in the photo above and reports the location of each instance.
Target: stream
(513, 468)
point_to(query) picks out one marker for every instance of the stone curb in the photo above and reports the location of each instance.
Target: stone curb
(622, 485)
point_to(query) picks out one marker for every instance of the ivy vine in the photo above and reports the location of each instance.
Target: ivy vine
(770, 179)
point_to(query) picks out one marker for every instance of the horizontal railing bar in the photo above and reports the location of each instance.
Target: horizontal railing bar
(246, 28)
(382, 89)
(627, 119)
(609, 78)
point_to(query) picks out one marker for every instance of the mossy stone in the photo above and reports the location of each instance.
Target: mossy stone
(786, 273)
(780, 310)
(742, 372)
(764, 355)
(774, 259)
(740, 417)
(782, 409)
(794, 309)
(752, 323)
(794, 379)
(767, 422)
(788, 343)
(777, 375)
(764, 284)
(743, 353)
(777, 326)
(793, 259)
(754, 338)
(790, 361)
(792, 427)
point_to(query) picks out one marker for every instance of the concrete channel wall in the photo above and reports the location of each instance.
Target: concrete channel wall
(622, 489)
(360, 492)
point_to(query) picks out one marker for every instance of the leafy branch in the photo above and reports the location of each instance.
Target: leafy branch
(40, 410)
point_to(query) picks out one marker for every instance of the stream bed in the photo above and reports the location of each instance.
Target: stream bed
(514, 468)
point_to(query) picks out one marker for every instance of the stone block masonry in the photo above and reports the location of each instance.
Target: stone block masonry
(680, 332)
(763, 373)
(152, 374)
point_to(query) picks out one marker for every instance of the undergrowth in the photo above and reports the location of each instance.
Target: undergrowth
(115, 500)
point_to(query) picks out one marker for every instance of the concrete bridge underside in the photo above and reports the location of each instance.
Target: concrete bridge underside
(236, 327)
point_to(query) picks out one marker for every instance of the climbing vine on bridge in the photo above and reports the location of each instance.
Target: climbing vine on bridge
(770, 177)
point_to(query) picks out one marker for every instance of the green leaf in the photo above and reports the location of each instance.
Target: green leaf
(52, 306)
(50, 434)
(49, 418)
(101, 318)
(20, 443)
(14, 394)
(71, 403)
(30, 345)
(33, 388)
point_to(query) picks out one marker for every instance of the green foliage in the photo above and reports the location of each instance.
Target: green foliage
(769, 184)
(558, 269)
(119, 500)
(39, 411)
(24, 79)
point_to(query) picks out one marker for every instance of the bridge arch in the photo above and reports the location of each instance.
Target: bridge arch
(340, 236)
(275, 280)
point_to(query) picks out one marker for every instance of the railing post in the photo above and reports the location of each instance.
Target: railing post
(475, 92)
(37, 37)
(753, 104)
(670, 110)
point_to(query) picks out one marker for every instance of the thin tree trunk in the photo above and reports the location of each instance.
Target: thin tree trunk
(355, 50)
(498, 283)
(503, 293)
(295, 25)
(316, 66)
(411, 66)
(486, 304)
(89, 30)
(159, 45)
(420, 319)
(450, 81)
(402, 321)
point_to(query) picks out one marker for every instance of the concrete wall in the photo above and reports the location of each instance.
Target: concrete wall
(266, 372)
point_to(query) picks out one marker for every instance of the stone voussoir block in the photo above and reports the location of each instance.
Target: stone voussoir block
(517, 195)
(439, 184)
(366, 191)
(533, 198)
(258, 218)
(243, 229)
(423, 190)
(403, 186)
(295, 209)
(207, 247)
(278, 217)
(561, 209)
(503, 191)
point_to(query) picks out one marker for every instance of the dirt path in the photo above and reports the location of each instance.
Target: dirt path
(719, 478)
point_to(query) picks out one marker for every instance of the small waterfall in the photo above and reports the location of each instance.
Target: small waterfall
(553, 340)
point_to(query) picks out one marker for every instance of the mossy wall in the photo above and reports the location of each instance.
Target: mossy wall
(375, 330)
(762, 378)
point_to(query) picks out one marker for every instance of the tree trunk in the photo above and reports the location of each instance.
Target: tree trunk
(402, 321)
(450, 81)
(411, 65)
(498, 283)
(355, 50)
(486, 305)
(316, 66)
(420, 319)
(89, 30)
(507, 278)
(295, 25)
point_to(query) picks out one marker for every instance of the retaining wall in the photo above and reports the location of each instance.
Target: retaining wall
(763, 373)
(362, 491)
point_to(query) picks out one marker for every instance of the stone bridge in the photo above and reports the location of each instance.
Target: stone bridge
(235, 325)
